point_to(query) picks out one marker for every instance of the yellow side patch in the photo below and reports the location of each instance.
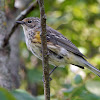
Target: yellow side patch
(4, 23)
(37, 37)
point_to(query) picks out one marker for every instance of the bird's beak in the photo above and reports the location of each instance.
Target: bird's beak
(20, 22)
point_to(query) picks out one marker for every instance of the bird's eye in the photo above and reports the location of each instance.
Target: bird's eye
(30, 21)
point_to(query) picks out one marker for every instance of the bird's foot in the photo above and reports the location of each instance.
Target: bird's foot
(50, 79)
(50, 74)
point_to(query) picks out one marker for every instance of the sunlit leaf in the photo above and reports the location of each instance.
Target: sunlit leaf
(93, 87)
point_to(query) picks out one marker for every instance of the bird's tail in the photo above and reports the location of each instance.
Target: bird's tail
(92, 68)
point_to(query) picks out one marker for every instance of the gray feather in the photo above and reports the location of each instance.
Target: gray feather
(92, 68)
(58, 39)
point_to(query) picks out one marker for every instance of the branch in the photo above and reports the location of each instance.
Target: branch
(20, 17)
(44, 50)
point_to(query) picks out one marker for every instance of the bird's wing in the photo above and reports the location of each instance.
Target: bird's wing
(58, 39)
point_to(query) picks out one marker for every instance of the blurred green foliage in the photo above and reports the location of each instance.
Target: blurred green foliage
(79, 21)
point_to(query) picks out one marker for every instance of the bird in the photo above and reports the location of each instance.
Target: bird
(61, 50)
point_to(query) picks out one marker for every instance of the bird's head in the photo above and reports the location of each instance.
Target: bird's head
(29, 23)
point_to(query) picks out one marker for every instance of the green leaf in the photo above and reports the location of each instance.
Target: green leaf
(68, 91)
(34, 75)
(93, 87)
(5, 95)
(41, 97)
(22, 95)
(77, 79)
(89, 96)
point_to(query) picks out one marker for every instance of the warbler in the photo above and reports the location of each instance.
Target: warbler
(61, 50)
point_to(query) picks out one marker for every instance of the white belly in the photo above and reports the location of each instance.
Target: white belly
(53, 59)
(35, 49)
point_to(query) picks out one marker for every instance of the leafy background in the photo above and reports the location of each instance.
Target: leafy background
(79, 21)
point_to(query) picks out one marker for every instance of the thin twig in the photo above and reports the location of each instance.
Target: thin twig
(20, 17)
(44, 51)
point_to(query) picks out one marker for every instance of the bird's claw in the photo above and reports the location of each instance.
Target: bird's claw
(50, 79)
